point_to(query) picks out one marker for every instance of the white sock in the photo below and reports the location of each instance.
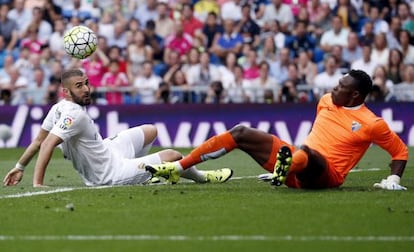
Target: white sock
(194, 174)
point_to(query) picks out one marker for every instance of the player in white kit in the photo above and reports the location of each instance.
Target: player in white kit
(112, 161)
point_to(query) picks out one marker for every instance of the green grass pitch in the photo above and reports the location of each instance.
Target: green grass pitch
(243, 214)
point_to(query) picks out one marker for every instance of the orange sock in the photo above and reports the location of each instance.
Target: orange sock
(213, 148)
(299, 161)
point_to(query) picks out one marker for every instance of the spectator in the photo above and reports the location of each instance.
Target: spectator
(300, 41)
(237, 88)
(295, 6)
(406, 48)
(113, 80)
(326, 80)
(353, 51)
(95, 67)
(5, 97)
(146, 12)
(53, 12)
(23, 63)
(146, 84)
(231, 10)
(44, 28)
(407, 20)
(267, 51)
(383, 87)
(211, 29)
(395, 66)
(320, 17)
(118, 38)
(367, 35)
(279, 69)
(203, 7)
(3, 51)
(348, 13)
(393, 33)
(258, 9)
(191, 25)
(343, 66)
(21, 15)
(272, 28)
(155, 41)
(380, 25)
(216, 93)
(193, 59)
(55, 40)
(133, 25)
(281, 12)
(180, 91)
(11, 80)
(163, 93)
(316, 11)
(404, 91)
(248, 28)
(200, 76)
(229, 41)
(262, 84)
(77, 8)
(336, 36)
(365, 63)
(31, 41)
(288, 92)
(171, 64)
(106, 26)
(9, 28)
(164, 25)
(178, 41)
(306, 68)
(380, 52)
(115, 53)
(251, 69)
(137, 53)
(226, 70)
(36, 92)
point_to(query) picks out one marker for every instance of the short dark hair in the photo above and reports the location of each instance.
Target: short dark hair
(69, 74)
(363, 81)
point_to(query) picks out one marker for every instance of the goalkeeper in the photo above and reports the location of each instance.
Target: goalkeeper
(342, 131)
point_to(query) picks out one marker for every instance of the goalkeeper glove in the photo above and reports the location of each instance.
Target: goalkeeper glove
(391, 183)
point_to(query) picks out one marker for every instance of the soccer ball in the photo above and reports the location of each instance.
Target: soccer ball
(80, 42)
(5, 132)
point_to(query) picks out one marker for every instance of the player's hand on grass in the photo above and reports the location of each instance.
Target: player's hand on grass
(13, 177)
(392, 182)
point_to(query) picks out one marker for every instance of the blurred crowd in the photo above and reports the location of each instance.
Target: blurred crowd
(205, 51)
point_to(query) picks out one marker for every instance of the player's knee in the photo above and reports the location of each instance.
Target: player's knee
(239, 132)
(150, 132)
(170, 155)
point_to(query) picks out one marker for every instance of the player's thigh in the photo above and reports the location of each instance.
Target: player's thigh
(132, 170)
(128, 142)
(260, 145)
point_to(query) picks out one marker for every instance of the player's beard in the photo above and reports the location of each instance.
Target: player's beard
(81, 100)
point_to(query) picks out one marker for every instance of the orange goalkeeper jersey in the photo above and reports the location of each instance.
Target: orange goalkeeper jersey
(342, 135)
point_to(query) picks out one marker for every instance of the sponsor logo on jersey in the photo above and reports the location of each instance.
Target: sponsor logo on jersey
(66, 123)
(355, 126)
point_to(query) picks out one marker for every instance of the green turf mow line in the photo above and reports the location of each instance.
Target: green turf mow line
(206, 238)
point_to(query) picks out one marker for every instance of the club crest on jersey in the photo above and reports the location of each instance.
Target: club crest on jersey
(66, 123)
(355, 126)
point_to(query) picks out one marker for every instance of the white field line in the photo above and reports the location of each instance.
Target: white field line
(67, 189)
(299, 238)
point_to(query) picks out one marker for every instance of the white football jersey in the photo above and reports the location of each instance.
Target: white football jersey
(82, 143)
